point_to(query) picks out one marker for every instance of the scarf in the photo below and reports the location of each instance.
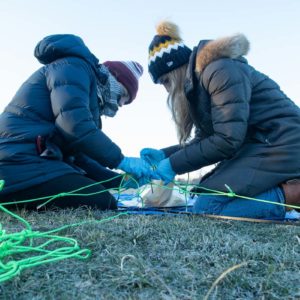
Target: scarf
(108, 94)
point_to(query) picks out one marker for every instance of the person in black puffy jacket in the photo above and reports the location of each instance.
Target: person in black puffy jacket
(51, 140)
(242, 121)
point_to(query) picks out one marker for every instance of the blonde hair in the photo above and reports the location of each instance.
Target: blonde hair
(178, 104)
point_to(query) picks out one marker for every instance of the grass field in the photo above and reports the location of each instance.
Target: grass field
(161, 257)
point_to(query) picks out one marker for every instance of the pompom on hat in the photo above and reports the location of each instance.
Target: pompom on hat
(127, 73)
(166, 51)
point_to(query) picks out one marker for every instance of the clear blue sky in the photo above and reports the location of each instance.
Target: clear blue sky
(123, 29)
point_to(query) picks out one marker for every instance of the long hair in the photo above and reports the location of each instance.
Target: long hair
(178, 104)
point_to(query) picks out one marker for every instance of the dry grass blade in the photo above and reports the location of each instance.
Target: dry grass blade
(124, 258)
(222, 276)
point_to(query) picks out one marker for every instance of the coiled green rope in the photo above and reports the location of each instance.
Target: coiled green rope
(37, 247)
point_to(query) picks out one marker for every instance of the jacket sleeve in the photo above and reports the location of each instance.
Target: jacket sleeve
(95, 171)
(168, 151)
(229, 90)
(69, 85)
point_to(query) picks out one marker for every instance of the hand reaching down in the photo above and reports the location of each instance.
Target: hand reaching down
(137, 167)
(164, 171)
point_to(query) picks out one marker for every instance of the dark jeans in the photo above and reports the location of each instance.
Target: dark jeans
(66, 183)
(238, 207)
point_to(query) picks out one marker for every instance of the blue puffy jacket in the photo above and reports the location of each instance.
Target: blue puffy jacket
(58, 105)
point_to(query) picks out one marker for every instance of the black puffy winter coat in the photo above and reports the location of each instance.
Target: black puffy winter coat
(244, 122)
(58, 102)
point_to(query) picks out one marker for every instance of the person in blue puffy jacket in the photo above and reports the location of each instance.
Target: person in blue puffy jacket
(242, 122)
(51, 140)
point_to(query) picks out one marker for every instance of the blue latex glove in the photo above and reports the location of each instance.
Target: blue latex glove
(164, 171)
(136, 167)
(152, 156)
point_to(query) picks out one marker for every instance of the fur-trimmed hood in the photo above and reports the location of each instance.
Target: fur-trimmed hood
(231, 47)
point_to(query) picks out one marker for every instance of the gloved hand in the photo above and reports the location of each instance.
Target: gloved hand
(136, 167)
(152, 156)
(164, 171)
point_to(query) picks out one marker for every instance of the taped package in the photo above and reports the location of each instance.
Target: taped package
(160, 195)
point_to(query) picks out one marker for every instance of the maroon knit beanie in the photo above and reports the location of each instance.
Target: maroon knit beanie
(127, 73)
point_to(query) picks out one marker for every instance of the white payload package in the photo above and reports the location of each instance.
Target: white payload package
(160, 195)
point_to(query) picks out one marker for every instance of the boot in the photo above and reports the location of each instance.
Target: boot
(291, 190)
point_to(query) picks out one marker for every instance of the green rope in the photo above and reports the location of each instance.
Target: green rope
(26, 242)
(232, 194)
(20, 243)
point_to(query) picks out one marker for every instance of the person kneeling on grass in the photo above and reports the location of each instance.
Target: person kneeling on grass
(51, 140)
(242, 121)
